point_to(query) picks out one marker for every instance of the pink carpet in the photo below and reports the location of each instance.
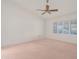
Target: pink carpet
(41, 49)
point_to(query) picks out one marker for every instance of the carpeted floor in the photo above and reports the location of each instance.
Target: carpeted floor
(41, 49)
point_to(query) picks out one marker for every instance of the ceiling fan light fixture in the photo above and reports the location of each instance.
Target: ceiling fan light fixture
(47, 10)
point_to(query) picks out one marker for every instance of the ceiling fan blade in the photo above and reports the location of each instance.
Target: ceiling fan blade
(54, 10)
(49, 12)
(40, 10)
(43, 13)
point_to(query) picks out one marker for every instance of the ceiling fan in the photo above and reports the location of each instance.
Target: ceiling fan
(47, 9)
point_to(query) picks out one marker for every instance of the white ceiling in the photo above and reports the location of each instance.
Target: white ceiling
(64, 6)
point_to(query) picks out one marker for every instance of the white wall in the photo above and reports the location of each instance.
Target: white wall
(18, 24)
(62, 37)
